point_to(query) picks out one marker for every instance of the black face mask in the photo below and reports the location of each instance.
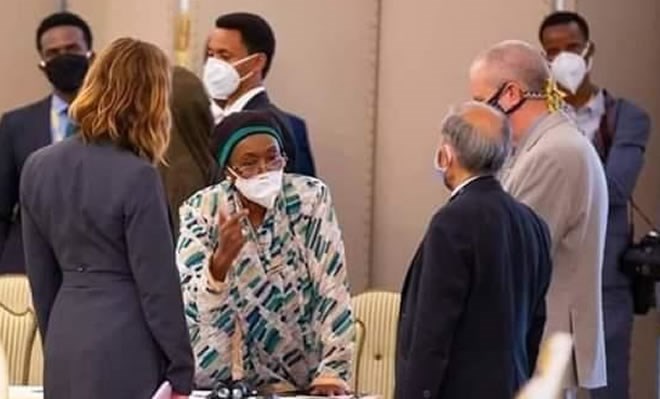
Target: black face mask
(67, 71)
(494, 101)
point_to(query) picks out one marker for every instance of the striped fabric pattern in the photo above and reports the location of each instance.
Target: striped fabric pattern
(286, 294)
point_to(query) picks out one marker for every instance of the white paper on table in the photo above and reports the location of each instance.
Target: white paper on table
(164, 392)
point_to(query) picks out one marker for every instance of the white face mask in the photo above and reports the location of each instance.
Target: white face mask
(262, 189)
(569, 69)
(221, 78)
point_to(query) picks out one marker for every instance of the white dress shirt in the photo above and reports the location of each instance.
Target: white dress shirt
(59, 118)
(463, 185)
(237, 106)
(588, 117)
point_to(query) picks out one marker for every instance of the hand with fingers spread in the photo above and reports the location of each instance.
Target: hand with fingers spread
(231, 240)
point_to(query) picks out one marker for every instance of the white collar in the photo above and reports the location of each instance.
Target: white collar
(595, 106)
(241, 102)
(463, 185)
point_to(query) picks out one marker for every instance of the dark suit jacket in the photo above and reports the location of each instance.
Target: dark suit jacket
(621, 143)
(22, 131)
(100, 261)
(473, 302)
(296, 143)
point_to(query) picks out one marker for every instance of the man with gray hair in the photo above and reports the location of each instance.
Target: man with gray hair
(556, 171)
(473, 302)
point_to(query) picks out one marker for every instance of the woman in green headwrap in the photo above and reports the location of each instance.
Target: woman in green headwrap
(263, 270)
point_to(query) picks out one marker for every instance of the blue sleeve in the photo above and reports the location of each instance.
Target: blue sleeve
(626, 156)
(304, 159)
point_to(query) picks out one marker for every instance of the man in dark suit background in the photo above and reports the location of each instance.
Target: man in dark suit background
(473, 301)
(64, 43)
(239, 53)
(620, 132)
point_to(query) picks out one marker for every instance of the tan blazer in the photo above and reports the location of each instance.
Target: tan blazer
(557, 172)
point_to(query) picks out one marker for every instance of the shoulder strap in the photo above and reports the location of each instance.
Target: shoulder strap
(608, 124)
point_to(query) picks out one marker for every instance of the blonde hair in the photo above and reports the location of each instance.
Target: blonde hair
(125, 98)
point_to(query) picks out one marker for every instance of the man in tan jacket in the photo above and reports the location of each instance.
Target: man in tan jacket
(556, 171)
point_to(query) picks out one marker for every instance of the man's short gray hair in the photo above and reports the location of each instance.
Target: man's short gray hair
(515, 60)
(479, 135)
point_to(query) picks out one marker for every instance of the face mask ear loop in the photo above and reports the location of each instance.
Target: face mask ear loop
(585, 52)
(242, 61)
(448, 155)
(233, 174)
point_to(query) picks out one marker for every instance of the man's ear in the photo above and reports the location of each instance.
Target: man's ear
(592, 50)
(260, 63)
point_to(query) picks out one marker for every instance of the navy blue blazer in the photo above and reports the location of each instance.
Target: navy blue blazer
(22, 131)
(621, 143)
(473, 302)
(296, 143)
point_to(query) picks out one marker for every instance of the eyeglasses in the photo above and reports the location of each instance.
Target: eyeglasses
(254, 167)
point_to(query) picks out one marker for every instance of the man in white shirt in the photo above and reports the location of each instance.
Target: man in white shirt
(239, 54)
(64, 43)
(619, 130)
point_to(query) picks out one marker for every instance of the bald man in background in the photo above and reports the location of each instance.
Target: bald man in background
(473, 302)
(556, 171)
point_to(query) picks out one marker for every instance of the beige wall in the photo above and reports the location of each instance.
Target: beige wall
(627, 61)
(20, 79)
(149, 20)
(425, 54)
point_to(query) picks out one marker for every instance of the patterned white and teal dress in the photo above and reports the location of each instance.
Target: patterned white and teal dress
(285, 302)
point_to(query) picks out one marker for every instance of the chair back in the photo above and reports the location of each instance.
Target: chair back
(18, 326)
(376, 315)
(35, 374)
(4, 375)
